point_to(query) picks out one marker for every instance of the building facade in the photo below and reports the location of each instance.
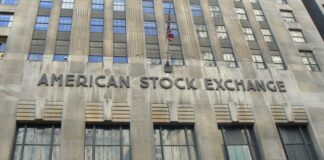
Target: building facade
(85, 80)
(315, 9)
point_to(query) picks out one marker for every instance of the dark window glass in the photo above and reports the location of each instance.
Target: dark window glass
(10, 2)
(98, 5)
(297, 143)
(5, 19)
(45, 4)
(148, 7)
(37, 142)
(168, 7)
(42, 23)
(120, 59)
(150, 28)
(65, 24)
(95, 58)
(35, 56)
(309, 60)
(196, 10)
(107, 143)
(175, 142)
(119, 26)
(97, 25)
(60, 57)
(239, 143)
(3, 41)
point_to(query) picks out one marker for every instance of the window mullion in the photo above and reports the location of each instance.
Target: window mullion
(161, 143)
(188, 147)
(93, 142)
(23, 142)
(305, 143)
(249, 142)
(52, 141)
(224, 141)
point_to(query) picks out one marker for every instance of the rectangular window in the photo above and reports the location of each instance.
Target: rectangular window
(215, 11)
(221, 32)
(259, 15)
(37, 142)
(309, 60)
(9, 2)
(97, 5)
(240, 13)
(120, 26)
(3, 41)
(277, 60)
(282, 1)
(153, 54)
(239, 142)
(96, 48)
(208, 56)
(248, 34)
(288, 16)
(95, 58)
(46, 4)
(97, 25)
(60, 57)
(42, 23)
(35, 56)
(6, 19)
(111, 143)
(148, 7)
(254, 1)
(119, 5)
(65, 24)
(67, 4)
(228, 57)
(258, 60)
(175, 142)
(267, 35)
(150, 28)
(297, 35)
(196, 10)
(120, 53)
(36, 49)
(168, 7)
(201, 31)
(297, 143)
(176, 55)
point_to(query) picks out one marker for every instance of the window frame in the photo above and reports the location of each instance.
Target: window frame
(67, 4)
(6, 20)
(168, 7)
(119, 5)
(148, 7)
(45, 4)
(240, 13)
(97, 25)
(196, 10)
(65, 24)
(297, 35)
(11, 2)
(309, 60)
(288, 16)
(150, 28)
(97, 5)
(119, 26)
(42, 23)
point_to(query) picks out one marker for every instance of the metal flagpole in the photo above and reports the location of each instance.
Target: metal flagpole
(167, 66)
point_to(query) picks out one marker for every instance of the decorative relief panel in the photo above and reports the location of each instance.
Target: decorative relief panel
(171, 112)
(232, 112)
(289, 114)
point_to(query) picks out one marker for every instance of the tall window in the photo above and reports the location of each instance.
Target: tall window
(10, 2)
(42, 23)
(297, 143)
(277, 60)
(309, 60)
(119, 26)
(240, 13)
(67, 4)
(259, 15)
(258, 60)
(65, 24)
(153, 53)
(201, 31)
(37, 142)
(239, 143)
(3, 41)
(175, 143)
(98, 5)
(46, 4)
(97, 25)
(119, 5)
(111, 143)
(215, 11)
(168, 7)
(6, 19)
(229, 57)
(221, 32)
(267, 35)
(196, 10)
(150, 28)
(288, 16)
(120, 53)
(148, 7)
(248, 34)
(297, 35)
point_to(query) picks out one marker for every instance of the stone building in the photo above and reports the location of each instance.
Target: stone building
(85, 79)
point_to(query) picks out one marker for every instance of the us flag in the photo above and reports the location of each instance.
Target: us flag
(169, 34)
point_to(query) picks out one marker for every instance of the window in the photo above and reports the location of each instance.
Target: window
(153, 54)
(150, 28)
(35, 56)
(119, 26)
(277, 60)
(97, 25)
(176, 55)
(288, 16)
(67, 4)
(95, 58)
(258, 60)
(309, 60)
(282, 1)
(168, 7)
(259, 15)
(297, 143)
(3, 41)
(254, 1)
(221, 32)
(148, 7)
(248, 34)
(37, 49)
(297, 35)
(10, 2)
(6, 19)
(98, 5)
(196, 10)
(102, 142)
(60, 57)
(267, 35)
(229, 57)
(240, 13)
(42, 23)
(120, 53)
(201, 31)
(215, 11)
(119, 5)
(171, 142)
(65, 24)
(37, 142)
(208, 58)
(239, 143)
(96, 48)
(45, 4)
(174, 28)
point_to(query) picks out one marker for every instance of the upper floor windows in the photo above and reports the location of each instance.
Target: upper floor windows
(248, 34)
(259, 15)
(67, 4)
(288, 16)
(297, 35)
(95, 58)
(3, 41)
(267, 35)
(120, 53)
(35, 56)
(277, 61)
(42, 23)
(221, 32)
(168, 7)
(150, 28)
(6, 19)
(119, 5)
(46, 4)
(119, 26)
(215, 11)
(258, 60)
(196, 10)
(201, 31)
(65, 24)
(153, 53)
(148, 7)
(10, 2)
(240, 13)
(97, 5)
(208, 56)
(309, 60)
(174, 28)
(60, 57)
(177, 58)
(282, 1)
(97, 25)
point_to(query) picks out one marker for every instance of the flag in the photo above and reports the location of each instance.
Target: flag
(169, 34)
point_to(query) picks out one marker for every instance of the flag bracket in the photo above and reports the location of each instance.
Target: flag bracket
(167, 67)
